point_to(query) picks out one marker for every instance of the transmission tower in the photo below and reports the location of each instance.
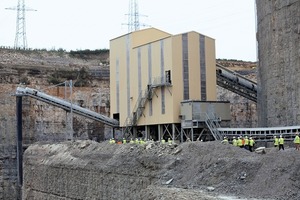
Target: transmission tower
(20, 39)
(134, 16)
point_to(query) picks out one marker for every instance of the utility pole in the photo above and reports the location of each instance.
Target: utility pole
(20, 39)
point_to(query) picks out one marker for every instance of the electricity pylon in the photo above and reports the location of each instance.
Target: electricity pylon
(134, 16)
(20, 39)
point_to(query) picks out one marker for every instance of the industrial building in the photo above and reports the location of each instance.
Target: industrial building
(153, 74)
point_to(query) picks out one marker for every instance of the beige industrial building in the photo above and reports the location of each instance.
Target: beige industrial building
(152, 73)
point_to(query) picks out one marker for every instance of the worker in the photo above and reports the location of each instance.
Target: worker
(131, 141)
(124, 141)
(113, 141)
(240, 142)
(276, 141)
(297, 141)
(110, 141)
(225, 140)
(170, 142)
(243, 141)
(137, 141)
(234, 141)
(281, 142)
(142, 141)
(251, 144)
(246, 143)
(163, 141)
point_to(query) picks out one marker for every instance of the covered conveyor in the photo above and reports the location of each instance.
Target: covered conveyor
(66, 105)
(236, 83)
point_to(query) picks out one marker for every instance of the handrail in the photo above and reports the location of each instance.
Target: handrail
(212, 123)
(137, 110)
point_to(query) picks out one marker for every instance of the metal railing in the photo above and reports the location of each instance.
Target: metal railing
(263, 133)
(139, 107)
(212, 123)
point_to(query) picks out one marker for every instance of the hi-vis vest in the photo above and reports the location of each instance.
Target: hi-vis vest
(234, 142)
(281, 141)
(297, 140)
(240, 142)
(251, 142)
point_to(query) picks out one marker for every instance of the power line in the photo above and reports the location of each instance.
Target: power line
(20, 38)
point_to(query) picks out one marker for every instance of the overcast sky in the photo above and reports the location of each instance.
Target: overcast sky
(90, 24)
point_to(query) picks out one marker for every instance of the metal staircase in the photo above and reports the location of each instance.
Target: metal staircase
(144, 96)
(213, 124)
(139, 107)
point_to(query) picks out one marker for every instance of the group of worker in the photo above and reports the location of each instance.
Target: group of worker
(124, 141)
(139, 141)
(279, 142)
(242, 142)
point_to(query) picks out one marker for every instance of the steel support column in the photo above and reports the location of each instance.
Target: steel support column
(19, 143)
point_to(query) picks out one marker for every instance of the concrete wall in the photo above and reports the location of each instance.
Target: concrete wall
(278, 35)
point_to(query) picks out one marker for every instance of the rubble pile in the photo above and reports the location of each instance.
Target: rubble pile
(191, 170)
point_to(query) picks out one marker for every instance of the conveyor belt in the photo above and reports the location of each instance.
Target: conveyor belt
(66, 105)
(236, 83)
(262, 134)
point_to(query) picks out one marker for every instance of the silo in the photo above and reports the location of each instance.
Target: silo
(278, 36)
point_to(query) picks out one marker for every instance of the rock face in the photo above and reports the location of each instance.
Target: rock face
(278, 26)
(191, 170)
(42, 122)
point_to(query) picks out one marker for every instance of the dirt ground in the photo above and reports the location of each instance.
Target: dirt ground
(191, 170)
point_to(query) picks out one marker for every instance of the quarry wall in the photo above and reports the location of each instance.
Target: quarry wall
(278, 36)
(42, 122)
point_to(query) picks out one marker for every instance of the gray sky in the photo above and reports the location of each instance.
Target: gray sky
(90, 24)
